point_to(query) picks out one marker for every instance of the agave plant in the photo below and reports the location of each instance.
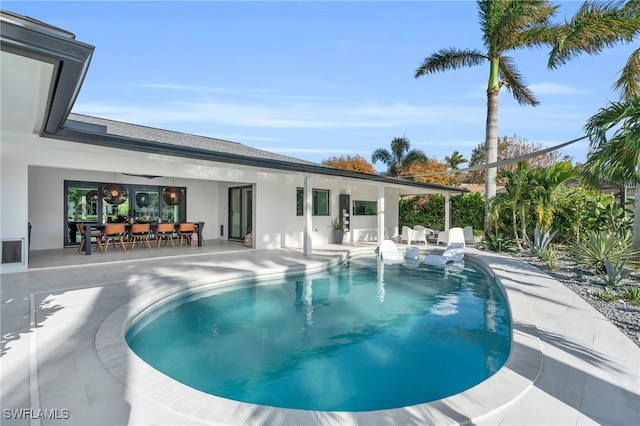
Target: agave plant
(614, 272)
(600, 245)
(549, 255)
(540, 241)
(632, 294)
(497, 242)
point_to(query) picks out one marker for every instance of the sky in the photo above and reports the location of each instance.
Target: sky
(314, 80)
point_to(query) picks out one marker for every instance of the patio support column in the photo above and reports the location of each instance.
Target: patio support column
(308, 222)
(447, 210)
(380, 214)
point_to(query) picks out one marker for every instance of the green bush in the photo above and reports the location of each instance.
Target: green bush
(428, 210)
(632, 294)
(615, 272)
(549, 255)
(497, 242)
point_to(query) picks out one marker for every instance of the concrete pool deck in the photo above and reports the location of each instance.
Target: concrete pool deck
(63, 351)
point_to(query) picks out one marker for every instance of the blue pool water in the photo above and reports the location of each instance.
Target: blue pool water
(355, 338)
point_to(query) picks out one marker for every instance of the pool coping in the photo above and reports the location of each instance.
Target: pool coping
(517, 375)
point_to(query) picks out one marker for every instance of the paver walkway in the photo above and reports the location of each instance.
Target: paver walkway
(573, 366)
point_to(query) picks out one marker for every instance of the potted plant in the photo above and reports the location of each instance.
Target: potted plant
(338, 230)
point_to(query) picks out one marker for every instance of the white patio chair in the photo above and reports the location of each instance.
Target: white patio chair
(420, 234)
(443, 237)
(468, 236)
(455, 235)
(389, 252)
(406, 234)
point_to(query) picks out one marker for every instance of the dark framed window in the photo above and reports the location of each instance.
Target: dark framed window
(320, 203)
(85, 202)
(365, 208)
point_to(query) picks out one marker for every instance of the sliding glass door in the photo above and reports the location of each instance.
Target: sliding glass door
(240, 212)
(102, 202)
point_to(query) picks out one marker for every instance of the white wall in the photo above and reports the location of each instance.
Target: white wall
(34, 170)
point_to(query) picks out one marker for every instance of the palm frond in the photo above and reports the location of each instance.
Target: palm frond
(628, 85)
(596, 25)
(382, 155)
(450, 59)
(515, 83)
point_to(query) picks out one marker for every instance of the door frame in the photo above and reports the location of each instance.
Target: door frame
(248, 220)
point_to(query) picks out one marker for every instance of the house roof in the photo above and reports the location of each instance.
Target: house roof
(33, 39)
(172, 138)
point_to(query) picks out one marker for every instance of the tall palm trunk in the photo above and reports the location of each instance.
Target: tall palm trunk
(491, 142)
(635, 237)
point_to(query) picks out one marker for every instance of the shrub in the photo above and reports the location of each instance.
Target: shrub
(601, 245)
(497, 242)
(615, 272)
(606, 295)
(540, 241)
(428, 210)
(549, 255)
(632, 294)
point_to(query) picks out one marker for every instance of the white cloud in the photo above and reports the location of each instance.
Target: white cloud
(284, 115)
(546, 88)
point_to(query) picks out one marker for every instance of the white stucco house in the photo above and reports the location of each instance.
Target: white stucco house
(55, 166)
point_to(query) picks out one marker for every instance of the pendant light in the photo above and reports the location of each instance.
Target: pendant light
(114, 193)
(172, 195)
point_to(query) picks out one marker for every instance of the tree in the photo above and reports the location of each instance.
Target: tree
(511, 147)
(354, 163)
(506, 25)
(595, 26)
(399, 158)
(455, 160)
(545, 182)
(616, 158)
(516, 199)
(429, 171)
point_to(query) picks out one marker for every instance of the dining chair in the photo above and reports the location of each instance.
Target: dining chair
(185, 232)
(139, 233)
(165, 232)
(94, 233)
(114, 233)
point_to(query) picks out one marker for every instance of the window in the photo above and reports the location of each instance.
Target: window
(365, 208)
(320, 205)
(85, 202)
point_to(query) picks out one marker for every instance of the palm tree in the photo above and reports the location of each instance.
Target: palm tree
(507, 25)
(518, 197)
(400, 157)
(595, 26)
(546, 181)
(455, 160)
(616, 158)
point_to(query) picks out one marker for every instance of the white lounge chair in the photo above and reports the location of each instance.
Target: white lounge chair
(453, 254)
(468, 236)
(389, 252)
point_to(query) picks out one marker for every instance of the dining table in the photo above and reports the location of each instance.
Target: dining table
(154, 225)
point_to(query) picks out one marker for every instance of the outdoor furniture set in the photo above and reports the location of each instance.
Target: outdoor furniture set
(127, 236)
(428, 235)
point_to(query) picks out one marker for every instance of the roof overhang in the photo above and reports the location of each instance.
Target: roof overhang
(69, 61)
(44, 43)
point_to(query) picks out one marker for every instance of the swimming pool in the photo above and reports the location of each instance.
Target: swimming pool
(355, 338)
